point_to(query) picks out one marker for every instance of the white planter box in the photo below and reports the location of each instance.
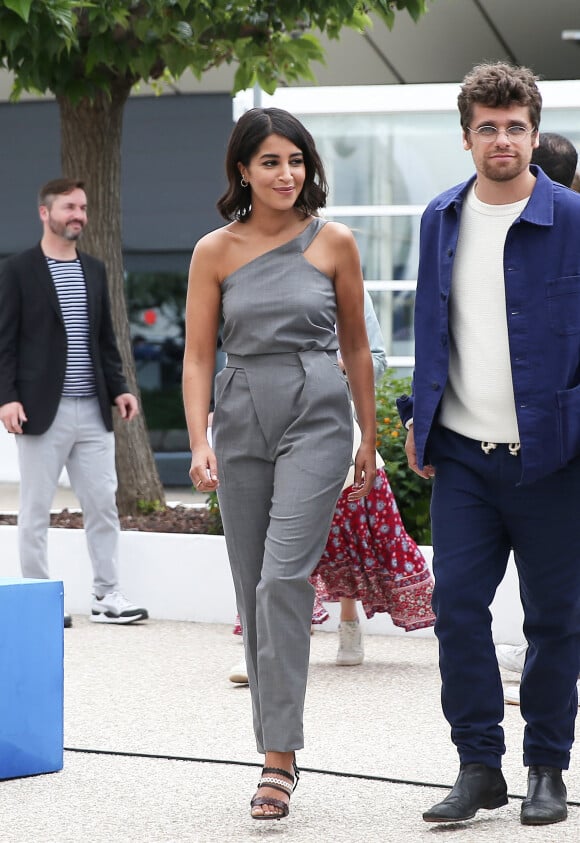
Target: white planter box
(175, 576)
(187, 578)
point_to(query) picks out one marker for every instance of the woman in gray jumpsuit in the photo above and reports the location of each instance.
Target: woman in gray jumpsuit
(282, 278)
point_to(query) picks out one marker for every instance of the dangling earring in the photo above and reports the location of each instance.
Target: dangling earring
(243, 182)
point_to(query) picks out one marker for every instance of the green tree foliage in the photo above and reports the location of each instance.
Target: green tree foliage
(75, 49)
(91, 54)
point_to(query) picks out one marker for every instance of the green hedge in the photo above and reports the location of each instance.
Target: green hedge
(412, 493)
(163, 408)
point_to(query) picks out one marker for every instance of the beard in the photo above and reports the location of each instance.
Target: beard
(503, 171)
(62, 229)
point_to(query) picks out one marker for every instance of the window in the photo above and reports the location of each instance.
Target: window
(156, 309)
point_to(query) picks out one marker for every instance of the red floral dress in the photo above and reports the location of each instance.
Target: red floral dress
(369, 556)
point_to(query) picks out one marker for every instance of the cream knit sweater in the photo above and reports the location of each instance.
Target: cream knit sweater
(478, 401)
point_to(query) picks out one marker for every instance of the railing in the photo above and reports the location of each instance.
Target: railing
(397, 361)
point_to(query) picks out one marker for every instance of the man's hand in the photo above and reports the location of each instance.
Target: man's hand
(12, 416)
(428, 471)
(127, 405)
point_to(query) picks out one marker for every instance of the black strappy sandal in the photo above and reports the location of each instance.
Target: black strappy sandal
(270, 778)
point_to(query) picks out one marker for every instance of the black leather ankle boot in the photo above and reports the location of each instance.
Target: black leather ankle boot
(477, 786)
(546, 799)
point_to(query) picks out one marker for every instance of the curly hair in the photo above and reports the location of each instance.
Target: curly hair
(499, 85)
(248, 134)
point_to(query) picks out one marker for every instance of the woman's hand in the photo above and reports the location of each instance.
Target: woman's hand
(365, 471)
(203, 471)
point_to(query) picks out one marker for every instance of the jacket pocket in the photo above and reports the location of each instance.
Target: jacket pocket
(563, 297)
(569, 422)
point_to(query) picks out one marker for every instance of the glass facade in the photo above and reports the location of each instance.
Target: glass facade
(387, 152)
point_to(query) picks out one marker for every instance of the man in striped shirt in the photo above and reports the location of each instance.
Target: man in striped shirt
(60, 374)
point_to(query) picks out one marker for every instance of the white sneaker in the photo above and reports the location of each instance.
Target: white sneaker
(350, 644)
(239, 673)
(511, 656)
(115, 608)
(511, 694)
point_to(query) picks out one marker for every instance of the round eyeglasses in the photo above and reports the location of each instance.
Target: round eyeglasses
(488, 134)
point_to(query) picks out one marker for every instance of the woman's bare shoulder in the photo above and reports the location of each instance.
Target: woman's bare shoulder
(338, 233)
(215, 241)
(215, 252)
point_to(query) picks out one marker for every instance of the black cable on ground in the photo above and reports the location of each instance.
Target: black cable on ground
(231, 763)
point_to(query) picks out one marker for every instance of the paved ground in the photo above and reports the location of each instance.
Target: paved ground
(159, 746)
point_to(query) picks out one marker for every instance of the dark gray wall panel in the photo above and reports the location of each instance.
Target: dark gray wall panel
(172, 174)
(30, 156)
(173, 169)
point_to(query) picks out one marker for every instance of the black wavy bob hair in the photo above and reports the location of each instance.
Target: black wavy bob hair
(248, 134)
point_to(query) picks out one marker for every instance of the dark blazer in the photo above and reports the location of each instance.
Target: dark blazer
(33, 343)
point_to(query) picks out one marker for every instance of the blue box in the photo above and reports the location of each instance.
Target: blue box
(31, 677)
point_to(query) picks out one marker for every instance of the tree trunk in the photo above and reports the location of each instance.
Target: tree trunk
(91, 150)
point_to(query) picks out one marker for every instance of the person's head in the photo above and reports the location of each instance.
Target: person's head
(248, 137)
(557, 156)
(499, 108)
(499, 85)
(62, 205)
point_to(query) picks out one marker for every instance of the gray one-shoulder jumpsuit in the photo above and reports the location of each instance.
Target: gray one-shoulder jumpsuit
(282, 433)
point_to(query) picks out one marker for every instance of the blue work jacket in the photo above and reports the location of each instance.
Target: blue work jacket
(542, 288)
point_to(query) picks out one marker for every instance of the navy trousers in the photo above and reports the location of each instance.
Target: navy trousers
(479, 513)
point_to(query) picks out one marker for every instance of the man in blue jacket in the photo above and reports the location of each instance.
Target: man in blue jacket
(495, 419)
(558, 158)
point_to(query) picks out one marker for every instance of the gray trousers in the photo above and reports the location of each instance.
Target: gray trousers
(283, 439)
(78, 440)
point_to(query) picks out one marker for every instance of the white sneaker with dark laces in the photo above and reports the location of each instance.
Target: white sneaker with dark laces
(115, 608)
(350, 644)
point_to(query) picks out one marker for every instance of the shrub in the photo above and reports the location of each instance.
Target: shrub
(412, 493)
(215, 526)
(163, 408)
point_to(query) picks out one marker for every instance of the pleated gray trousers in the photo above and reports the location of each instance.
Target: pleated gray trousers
(78, 440)
(282, 433)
